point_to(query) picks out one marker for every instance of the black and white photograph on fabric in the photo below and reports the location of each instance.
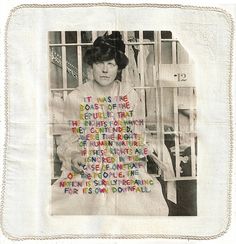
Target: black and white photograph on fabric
(123, 124)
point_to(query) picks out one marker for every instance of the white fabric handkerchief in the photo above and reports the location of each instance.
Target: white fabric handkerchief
(119, 122)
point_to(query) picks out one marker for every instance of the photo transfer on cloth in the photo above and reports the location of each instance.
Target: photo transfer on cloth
(123, 112)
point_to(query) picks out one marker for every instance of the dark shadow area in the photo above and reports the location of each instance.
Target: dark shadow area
(186, 198)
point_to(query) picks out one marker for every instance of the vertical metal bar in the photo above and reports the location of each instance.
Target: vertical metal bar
(157, 53)
(155, 73)
(176, 125)
(64, 66)
(159, 46)
(162, 139)
(158, 125)
(141, 71)
(176, 117)
(159, 94)
(191, 121)
(79, 58)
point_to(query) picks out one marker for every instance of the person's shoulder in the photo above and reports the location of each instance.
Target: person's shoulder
(81, 91)
(126, 87)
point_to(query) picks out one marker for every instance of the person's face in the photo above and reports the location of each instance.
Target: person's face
(105, 72)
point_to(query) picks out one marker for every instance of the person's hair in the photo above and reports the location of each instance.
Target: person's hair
(107, 47)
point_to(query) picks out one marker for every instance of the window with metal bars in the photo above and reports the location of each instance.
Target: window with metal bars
(159, 69)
